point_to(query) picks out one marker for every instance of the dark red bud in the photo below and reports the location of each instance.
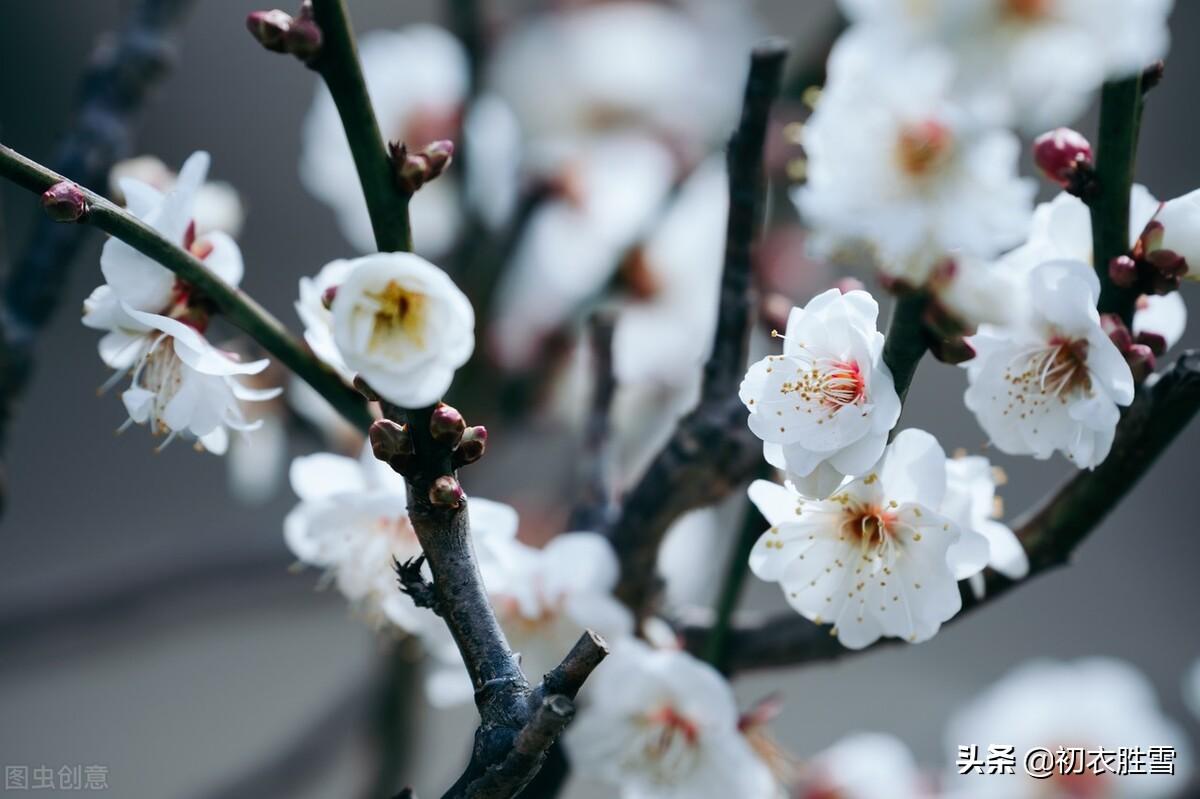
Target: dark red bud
(1116, 330)
(270, 28)
(471, 447)
(328, 296)
(446, 492)
(65, 202)
(1156, 342)
(1060, 154)
(1122, 271)
(446, 425)
(1141, 361)
(304, 39)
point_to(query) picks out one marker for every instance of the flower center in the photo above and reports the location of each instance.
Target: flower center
(1058, 369)
(871, 527)
(1025, 10)
(832, 383)
(923, 147)
(399, 311)
(673, 730)
(161, 373)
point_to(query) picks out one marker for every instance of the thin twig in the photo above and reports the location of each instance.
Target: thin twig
(711, 451)
(235, 305)
(594, 506)
(1050, 534)
(1120, 117)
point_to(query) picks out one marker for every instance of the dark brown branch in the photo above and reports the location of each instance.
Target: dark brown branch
(1050, 533)
(594, 507)
(711, 451)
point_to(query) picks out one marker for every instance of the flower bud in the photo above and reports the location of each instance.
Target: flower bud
(65, 202)
(303, 39)
(389, 439)
(952, 350)
(328, 296)
(1157, 343)
(1122, 271)
(446, 492)
(1116, 330)
(414, 170)
(1065, 157)
(270, 28)
(1153, 75)
(446, 425)
(1141, 361)
(1180, 229)
(471, 447)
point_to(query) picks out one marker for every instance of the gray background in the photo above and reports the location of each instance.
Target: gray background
(185, 689)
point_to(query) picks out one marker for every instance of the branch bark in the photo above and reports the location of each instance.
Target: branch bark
(711, 451)
(1120, 118)
(1050, 533)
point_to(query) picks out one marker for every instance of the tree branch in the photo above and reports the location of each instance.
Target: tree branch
(1050, 533)
(712, 450)
(594, 508)
(906, 343)
(238, 307)
(1120, 117)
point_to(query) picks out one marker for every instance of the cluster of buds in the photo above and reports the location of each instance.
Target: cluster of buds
(65, 202)
(1150, 268)
(414, 169)
(1064, 156)
(280, 32)
(1139, 351)
(392, 443)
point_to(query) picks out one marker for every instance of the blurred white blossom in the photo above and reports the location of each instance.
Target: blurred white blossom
(865, 765)
(217, 204)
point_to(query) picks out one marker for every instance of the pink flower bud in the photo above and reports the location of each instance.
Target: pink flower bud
(471, 447)
(414, 170)
(65, 202)
(1157, 343)
(303, 39)
(446, 492)
(328, 296)
(1122, 271)
(270, 28)
(1061, 154)
(389, 439)
(446, 425)
(1117, 332)
(1141, 361)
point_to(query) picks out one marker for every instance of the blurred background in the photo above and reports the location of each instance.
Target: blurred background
(149, 622)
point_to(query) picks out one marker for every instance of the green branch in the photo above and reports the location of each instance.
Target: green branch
(337, 63)
(1120, 118)
(906, 344)
(239, 308)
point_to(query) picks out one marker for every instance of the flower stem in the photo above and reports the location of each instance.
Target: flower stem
(1120, 118)
(338, 65)
(239, 308)
(905, 344)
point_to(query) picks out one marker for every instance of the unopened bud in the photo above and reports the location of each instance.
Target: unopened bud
(1153, 75)
(941, 322)
(1157, 343)
(446, 492)
(1114, 327)
(65, 202)
(270, 28)
(952, 350)
(471, 447)
(414, 170)
(303, 39)
(1122, 271)
(1065, 157)
(1141, 361)
(389, 439)
(328, 296)
(446, 425)
(1166, 272)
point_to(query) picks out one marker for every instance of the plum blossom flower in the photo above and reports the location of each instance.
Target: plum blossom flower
(893, 164)
(1051, 379)
(875, 558)
(660, 724)
(417, 79)
(971, 502)
(1029, 63)
(181, 384)
(825, 406)
(401, 323)
(217, 204)
(1093, 703)
(352, 520)
(313, 309)
(866, 765)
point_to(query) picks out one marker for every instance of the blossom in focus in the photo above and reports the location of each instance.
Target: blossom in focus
(867, 765)
(660, 724)
(972, 503)
(894, 165)
(352, 521)
(417, 79)
(874, 559)
(1093, 703)
(825, 406)
(402, 324)
(1051, 379)
(1033, 64)
(154, 323)
(216, 205)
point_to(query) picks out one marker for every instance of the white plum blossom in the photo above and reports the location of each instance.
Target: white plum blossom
(352, 521)
(874, 559)
(894, 165)
(865, 765)
(417, 79)
(216, 206)
(1089, 704)
(971, 502)
(660, 724)
(576, 74)
(1029, 63)
(313, 308)
(1051, 379)
(402, 324)
(824, 407)
(1164, 315)
(1180, 220)
(181, 384)
(544, 598)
